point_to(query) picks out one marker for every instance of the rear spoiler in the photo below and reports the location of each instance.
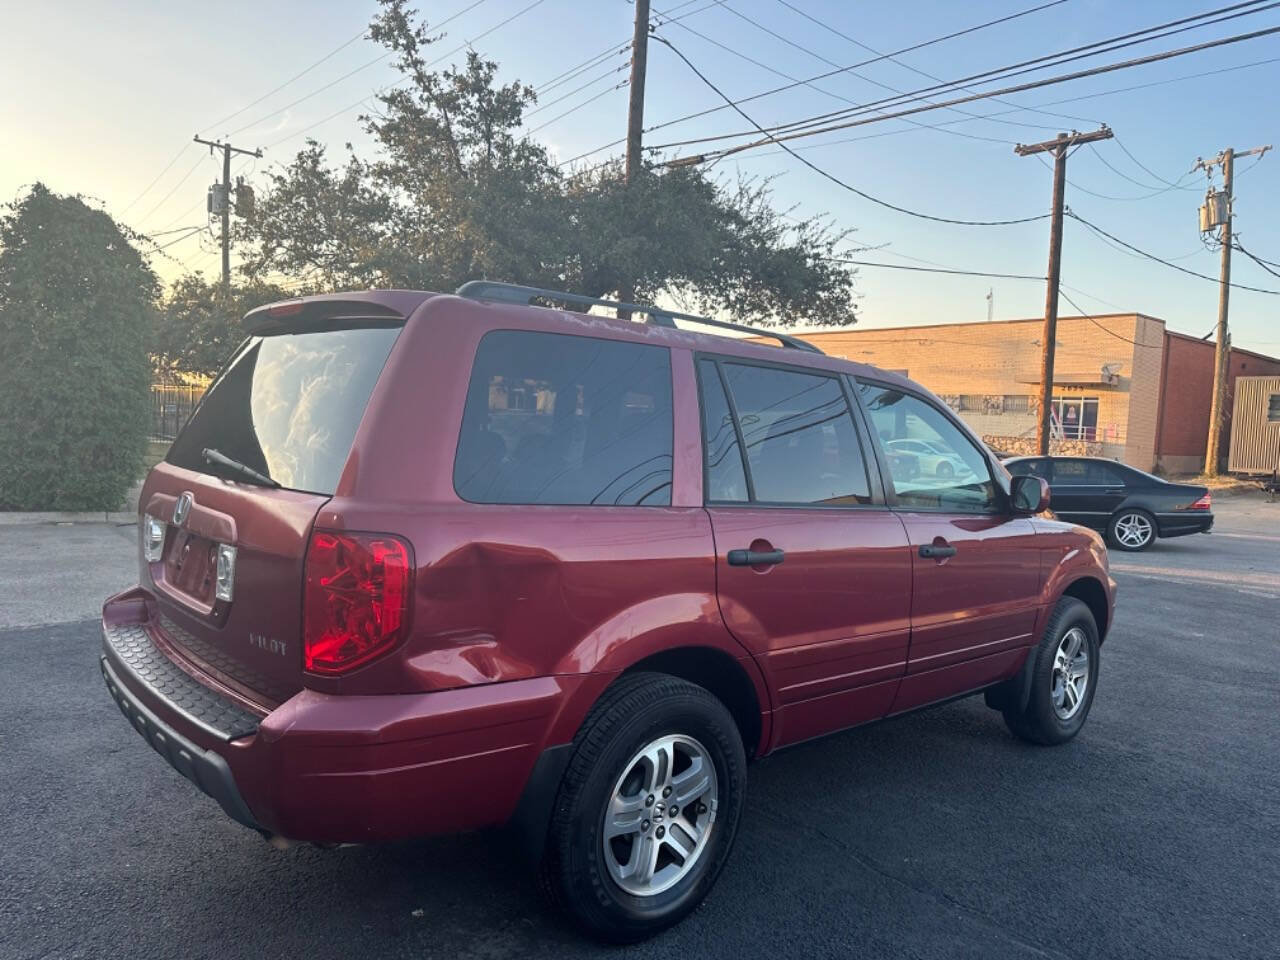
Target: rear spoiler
(316, 313)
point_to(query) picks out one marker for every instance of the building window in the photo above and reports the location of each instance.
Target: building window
(1273, 408)
(1077, 417)
(1013, 403)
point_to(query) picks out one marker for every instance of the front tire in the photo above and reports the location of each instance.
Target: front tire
(1131, 530)
(1064, 677)
(620, 861)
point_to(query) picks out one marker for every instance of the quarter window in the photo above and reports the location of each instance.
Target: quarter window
(952, 474)
(801, 444)
(558, 419)
(726, 481)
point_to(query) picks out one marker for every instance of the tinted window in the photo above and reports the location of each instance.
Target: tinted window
(569, 420)
(288, 406)
(725, 479)
(1077, 473)
(953, 474)
(1031, 468)
(799, 434)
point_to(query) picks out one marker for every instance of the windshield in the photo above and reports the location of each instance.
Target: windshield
(287, 406)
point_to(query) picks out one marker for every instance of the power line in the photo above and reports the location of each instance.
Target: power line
(186, 176)
(790, 86)
(834, 179)
(1151, 256)
(147, 189)
(480, 36)
(590, 83)
(585, 103)
(1029, 85)
(1007, 72)
(297, 76)
(962, 273)
(1264, 264)
(906, 66)
(817, 56)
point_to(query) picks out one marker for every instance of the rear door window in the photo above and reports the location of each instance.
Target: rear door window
(288, 405)
(801, 444)
(559, 419)
(726, 481)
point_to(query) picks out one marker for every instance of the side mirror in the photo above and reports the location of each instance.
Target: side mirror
(1030, 495)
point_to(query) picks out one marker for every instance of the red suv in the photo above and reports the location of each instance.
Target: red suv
(424, 563)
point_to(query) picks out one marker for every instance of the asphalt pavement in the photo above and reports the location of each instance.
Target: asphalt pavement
(1153, 834)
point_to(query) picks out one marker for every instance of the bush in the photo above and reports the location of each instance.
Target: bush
(76, 307)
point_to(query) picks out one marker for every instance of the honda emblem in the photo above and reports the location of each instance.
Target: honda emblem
(181, 509)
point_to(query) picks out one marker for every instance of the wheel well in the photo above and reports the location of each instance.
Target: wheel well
(722, 676)
(1090, 592)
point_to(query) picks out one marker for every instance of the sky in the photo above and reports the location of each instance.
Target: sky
(106, 106)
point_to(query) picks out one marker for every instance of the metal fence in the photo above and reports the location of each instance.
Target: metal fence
(171, 407)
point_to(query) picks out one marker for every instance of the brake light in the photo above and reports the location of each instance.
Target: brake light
(1204, 503)
(286, 309)
(356, 599)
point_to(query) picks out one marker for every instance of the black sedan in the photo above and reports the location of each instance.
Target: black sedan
(1133, 507)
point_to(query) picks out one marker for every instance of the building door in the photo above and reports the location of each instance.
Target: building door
(813, 570)
(976, 566)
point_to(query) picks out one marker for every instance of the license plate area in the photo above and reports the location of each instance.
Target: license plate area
(190, 568)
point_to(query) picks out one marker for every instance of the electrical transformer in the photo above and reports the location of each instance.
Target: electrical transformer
(1213, 212)
(244, 200)
(217, 199)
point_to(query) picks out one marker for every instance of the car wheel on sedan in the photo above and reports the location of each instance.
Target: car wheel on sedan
(1064, 677)
(648, 808)
(1131, 530)
(945, 470)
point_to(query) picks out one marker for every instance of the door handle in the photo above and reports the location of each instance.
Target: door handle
(936, 551)
(755, 558)
(1112, 491)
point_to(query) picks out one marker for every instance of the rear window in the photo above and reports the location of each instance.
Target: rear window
(559, 419)
(288, 405)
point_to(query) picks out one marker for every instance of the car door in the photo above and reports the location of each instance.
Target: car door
(813, 570)
(976, 566)
(1086, 491)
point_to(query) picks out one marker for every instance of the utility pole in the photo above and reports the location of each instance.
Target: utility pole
(1217, 212)
(1058, 147)
(227, 150)
(635, 121)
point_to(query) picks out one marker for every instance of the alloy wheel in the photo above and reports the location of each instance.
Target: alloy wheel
(1134, 530)
(1070, 678)
(660, 815)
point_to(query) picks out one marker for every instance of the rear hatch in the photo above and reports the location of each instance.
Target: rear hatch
(246, 477)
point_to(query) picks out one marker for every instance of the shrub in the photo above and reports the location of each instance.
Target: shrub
(76, 307)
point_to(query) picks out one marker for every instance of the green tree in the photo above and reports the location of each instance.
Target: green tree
(456, 192)
(76, 307)
(199, 324)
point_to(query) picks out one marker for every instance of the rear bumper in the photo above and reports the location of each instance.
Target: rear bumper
(1181, 524)
(335, 769)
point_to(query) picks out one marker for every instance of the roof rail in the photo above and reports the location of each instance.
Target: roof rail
(515, 293)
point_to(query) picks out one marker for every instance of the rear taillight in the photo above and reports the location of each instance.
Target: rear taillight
(1204, 503)
(152, 535)
(356, 599)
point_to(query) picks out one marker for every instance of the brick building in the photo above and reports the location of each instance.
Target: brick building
(1124, 386)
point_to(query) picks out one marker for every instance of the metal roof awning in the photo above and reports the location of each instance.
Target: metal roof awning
(1094, 378)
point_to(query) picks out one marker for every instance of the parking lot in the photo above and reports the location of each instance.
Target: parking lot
(934, 835)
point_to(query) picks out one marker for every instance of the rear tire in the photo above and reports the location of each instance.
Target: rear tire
(651, 741)
(1131, 530)
(1064, 677)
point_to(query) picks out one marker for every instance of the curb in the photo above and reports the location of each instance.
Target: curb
(67, 516)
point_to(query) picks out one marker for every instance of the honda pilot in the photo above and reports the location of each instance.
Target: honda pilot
(424, 563)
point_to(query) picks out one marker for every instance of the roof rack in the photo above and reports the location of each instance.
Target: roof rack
(515, 293)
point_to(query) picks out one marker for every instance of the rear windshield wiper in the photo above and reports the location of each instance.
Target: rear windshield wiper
(221, 459)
